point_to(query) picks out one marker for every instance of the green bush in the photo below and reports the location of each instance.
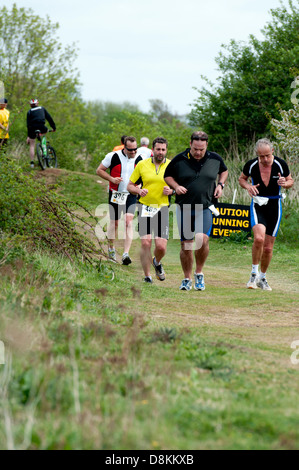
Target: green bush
(41, 217)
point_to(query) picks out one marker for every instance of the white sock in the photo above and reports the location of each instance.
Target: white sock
(255, 269)
(262, 275)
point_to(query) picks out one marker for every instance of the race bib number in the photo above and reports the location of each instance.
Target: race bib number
(148, 211)
(119, 198)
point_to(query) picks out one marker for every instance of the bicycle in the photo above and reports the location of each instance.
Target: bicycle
(45, 152)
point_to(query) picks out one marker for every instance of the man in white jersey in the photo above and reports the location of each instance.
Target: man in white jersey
(144, 151)
(121, 165)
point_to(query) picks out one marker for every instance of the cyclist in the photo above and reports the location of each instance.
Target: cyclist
(36, 120)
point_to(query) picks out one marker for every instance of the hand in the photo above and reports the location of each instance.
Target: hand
(116, 180)
(180, 190)
(143, 192)
(281, 180)
(218, 191)
(252, 190)
(167, 191)
(27, 140)
(53, 130)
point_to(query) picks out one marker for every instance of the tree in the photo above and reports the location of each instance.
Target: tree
(32, 60)
(254, 78)
(160, 111)
(286, 129)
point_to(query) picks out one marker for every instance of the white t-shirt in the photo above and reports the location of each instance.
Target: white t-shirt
(145, 152)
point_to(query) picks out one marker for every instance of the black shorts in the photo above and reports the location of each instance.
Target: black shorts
(32, 130)
(116, 210)
(192, 220)
(268, 215)
(158, 225)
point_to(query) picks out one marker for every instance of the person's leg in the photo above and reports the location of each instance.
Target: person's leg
(265, 261)
(259, 234)
(112, 229)
(128, 232)
(160, 249)
(267, 252)
(186, 257)
(112, 232)
(145, 254)
(201, 253)
(31, 149)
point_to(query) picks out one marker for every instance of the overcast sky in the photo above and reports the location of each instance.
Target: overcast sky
(131, 50)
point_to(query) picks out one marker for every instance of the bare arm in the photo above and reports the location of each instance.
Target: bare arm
(173, 184)
(133, 189)
(222, 178)
(285, 182)
(102, 172)
(251, 189)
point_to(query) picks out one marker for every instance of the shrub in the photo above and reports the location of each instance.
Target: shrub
(42, 218)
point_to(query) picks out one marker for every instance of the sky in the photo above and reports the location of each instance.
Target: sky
(131, 50)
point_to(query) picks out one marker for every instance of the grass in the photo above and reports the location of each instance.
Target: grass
(93, 363)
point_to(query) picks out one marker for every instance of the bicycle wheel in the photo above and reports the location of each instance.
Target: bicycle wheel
(51, 158)
(40, 156)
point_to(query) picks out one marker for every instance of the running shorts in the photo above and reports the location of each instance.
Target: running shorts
(268, 215)
(158, 225)
(193, 220)
(116, 210)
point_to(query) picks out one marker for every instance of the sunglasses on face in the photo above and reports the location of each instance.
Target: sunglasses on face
(131, 150)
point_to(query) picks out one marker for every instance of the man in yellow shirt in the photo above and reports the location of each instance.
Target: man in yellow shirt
(4, 123)
(153, 215)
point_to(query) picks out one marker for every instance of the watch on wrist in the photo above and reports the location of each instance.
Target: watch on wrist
(221, 184)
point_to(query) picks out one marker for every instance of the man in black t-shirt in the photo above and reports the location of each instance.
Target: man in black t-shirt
(193, 174)
(36, 120)
(268, 175)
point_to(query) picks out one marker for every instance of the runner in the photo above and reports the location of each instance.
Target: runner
(192, 174)
(268, 175)
(4, 123)
(143, 150)
(122, 145)
(153, 219)
(121, 165)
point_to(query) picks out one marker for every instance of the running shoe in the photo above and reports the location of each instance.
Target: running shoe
(251, 284)
(263, 284)
(199, 282)
(112, 254)
(126, 259)
(148, 280)
(160, 273)
(186, 284)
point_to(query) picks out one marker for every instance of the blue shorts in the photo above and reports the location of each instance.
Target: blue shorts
(193, 220)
